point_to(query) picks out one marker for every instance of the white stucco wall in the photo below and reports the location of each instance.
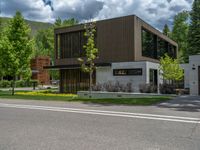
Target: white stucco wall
(191, 74)
(105, 74)
(186, 68)
(194, 63)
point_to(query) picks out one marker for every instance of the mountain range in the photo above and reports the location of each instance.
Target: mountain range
(35, 26)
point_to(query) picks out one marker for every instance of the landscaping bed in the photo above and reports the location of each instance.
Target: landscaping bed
(52, 96)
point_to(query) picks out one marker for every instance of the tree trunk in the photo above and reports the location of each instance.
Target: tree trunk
(13, 86)
(90, 90)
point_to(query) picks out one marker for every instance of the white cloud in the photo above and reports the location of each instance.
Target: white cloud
(155, 12)
(31, 9)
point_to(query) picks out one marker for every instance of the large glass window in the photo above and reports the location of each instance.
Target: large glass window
(70, 45)
(155, 47)
(127, 72)
(149, 44)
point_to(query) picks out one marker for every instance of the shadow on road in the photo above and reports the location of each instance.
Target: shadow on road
(183, 103)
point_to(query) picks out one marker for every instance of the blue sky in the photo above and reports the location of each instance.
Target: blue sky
(155, 12)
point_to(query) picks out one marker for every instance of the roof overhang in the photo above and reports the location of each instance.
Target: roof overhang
(77, 66)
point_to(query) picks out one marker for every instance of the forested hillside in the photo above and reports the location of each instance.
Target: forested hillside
(35, 26)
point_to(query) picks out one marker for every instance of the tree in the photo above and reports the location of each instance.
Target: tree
(58, 22)
(166, 30)
(88, 65)
(44, 43)
(18, 49)
(1, 61)
(194, 30)
(170, 69)
(4, 46)
(180, 34)
(65, 23)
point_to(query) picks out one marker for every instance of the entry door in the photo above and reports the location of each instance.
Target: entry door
(199, 78)
(153, 78)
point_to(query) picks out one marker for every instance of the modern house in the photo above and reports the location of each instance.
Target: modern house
(129, 51)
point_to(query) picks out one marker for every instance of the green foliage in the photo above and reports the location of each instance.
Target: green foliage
(88, 65)
(1, 46)
(35, 26)
(180, 34)
(5, 84)
(170, 69)
(194, 30)
(19, 83)
(166, 30)
(17, 48)
(44, 43)
(65, 23)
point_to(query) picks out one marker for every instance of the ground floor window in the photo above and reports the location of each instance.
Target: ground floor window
(73, 80)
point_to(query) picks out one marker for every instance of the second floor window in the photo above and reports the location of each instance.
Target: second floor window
(70, 45)
(155, 47)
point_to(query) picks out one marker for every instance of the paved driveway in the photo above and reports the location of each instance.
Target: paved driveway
(184, 103)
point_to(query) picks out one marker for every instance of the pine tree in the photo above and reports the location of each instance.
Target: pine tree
(194, 30)
(166, 30)
(180, 34)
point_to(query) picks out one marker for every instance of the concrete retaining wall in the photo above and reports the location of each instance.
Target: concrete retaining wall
(95, 94)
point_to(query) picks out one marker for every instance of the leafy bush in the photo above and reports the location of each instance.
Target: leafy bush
(20, 83)
(5, 84)
(167, 89)
(147, 88)
(113, 87)
(36, 82)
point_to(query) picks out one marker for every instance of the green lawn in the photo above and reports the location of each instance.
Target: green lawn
(119, 101)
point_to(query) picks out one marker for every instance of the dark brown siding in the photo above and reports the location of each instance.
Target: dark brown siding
(115, 40)
(118, 40)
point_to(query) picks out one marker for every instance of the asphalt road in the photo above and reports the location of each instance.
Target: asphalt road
(37, 125)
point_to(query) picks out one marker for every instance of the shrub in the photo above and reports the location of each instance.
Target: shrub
(97, 87)
(34, 82)
(20, 83)
(29, 83)
(45, 93)
(167, 89)
(147, 88)
(113, 87)
(5, 84)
